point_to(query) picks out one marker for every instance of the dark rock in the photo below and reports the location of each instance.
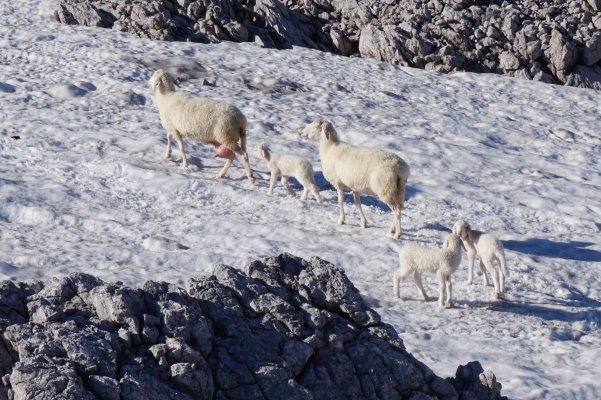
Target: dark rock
(285, 328)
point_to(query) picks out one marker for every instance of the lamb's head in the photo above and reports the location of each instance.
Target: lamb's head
(261, 152)
(320, 129)
(462, 229)
(452, 242)
(162, 81)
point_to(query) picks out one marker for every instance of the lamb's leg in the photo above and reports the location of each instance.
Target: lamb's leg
(168, 150)
(358, 204)
(399, 276)
(272, 181)
(341, 205)
(470, 275)
(449, 295)
(291, 191)
(495, 276)
(441, 289)
(180, 143)
(486, 282)
(420, 286)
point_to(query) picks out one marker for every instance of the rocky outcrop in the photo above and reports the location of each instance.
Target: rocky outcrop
(552, 41)
(284, 328)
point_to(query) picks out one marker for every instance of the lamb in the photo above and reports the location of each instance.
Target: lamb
(288, 165)
(207, 121)
(418, 259)
(363, 170)
(488, 248)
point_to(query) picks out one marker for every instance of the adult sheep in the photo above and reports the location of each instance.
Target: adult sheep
(363, 170)
(204, 120)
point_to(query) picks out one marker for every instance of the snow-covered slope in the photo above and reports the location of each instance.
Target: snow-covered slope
(86, 188)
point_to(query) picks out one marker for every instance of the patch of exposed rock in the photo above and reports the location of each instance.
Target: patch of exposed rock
(554, 41)
(285, 328)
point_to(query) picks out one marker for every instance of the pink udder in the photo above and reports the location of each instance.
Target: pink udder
(222, 151)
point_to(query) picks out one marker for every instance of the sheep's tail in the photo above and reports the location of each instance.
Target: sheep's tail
(501, 257)
(243, 139)
(402, 176)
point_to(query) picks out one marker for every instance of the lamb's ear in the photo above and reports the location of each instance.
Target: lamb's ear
(177, 82)
(469, 234)
(456, 230)
(265, 152)
(445, 244)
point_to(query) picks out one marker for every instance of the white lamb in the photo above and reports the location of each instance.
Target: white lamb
(443, 262)
(207, 121)
(288, 165)
(488, 248)
(363, 170)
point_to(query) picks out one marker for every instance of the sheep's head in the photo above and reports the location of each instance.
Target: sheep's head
(162, 81)
(452, 242)
(462, 229)
(318, 130)
(261, 151)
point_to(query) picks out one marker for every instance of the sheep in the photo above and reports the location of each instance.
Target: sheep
(418, 259)
(363, 170)
(207, 121)
(488, 248)
(288, 165)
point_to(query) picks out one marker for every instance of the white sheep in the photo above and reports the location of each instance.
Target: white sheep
(443, 262)
(489, 249)
(288, 165)
(219, 124)
(363, 170)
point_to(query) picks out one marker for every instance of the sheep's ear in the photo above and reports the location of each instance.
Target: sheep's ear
(327, 131)
(264, 151)
(177, 82)
(456, 230)
(445, 244)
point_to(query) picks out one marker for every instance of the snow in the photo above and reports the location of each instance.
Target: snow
(86, 188)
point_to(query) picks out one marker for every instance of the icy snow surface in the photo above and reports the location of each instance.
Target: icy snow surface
(86, 187)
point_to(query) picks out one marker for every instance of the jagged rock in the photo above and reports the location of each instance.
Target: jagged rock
(562, 53)
(406, 33)
(592, 51)
(283, 328)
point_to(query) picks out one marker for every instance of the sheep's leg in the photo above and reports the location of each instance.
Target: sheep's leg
(249, 172)
(420, 286)
(396, 221)
(226, 166)
(168, 151)
(358, 204)
(449, 295)
(180, 143)
(289, 189)
(486, 282)
(315, 192)
(495, 276)
(341, 205)
(501, 277)
(272, 181)
(470, 275)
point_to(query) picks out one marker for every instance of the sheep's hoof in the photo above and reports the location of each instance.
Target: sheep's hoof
(167, 156)
(449, 305)
(470, 282)
(340, 222)
(364, 224)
